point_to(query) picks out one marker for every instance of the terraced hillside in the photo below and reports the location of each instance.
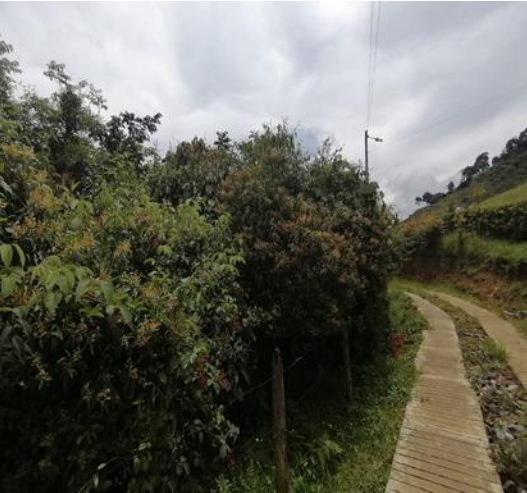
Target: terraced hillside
(475, 235)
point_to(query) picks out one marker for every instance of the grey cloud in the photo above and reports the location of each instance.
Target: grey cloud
(232, 66)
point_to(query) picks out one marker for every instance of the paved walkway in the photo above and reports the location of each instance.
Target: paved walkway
(442, 447)
(504, 333)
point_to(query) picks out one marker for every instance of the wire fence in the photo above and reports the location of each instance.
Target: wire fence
(270, 379)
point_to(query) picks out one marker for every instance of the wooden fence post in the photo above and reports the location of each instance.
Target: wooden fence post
(347, 362)
(279, 424)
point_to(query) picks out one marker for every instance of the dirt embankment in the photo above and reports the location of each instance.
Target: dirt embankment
(497, 288)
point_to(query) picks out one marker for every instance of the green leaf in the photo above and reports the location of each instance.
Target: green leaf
(63, 284)
(82, 272)
(127, 316)
(107, 289)
(52, 300)
(51, 280)
(70, 276)
(5, 334)
(164, 250)
(58, 334)
(6, 251)
(21, 255)
(93, 312)
(8, 285)
(82, 288)
(5, 186)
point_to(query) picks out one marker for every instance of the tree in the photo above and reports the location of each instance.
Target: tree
(8, 67)
(223, 141)
(480, 164)
(517, 145)
(73, 125)
(127, 134)
(430, 198)
(451, 187)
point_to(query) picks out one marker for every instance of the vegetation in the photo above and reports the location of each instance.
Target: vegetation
(514, 196)
(429, 198)
(479, 226)
(141, 296)
(469, 248)
(479, 182)
(336, 446)
(499, 222)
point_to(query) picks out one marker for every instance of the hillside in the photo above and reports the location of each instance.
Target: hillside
(500, 182)
(516, 195)
(475, 235)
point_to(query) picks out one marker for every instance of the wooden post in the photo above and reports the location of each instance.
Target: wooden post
(279, 424)
(347, 362)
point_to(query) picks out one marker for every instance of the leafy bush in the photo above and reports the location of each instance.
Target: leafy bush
(140, 296)
(122, 336)
(120, 345)
(313, 232)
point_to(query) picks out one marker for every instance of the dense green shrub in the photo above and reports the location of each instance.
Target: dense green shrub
(140, 296)
(193, 169)
(121, 344)
(314, 236)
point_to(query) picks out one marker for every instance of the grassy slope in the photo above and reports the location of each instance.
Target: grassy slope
(500, 185)
(516, 195)
(336, 447)
(490, 187)
(496, 253)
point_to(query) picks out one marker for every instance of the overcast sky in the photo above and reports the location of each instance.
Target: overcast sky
(219, 66)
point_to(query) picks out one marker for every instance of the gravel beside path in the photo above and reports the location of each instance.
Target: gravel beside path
(504, 334)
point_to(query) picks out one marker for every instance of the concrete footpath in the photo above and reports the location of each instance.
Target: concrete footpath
(502, 332)
(442, 446)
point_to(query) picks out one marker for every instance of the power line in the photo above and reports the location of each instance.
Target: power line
(375, 61)
(455, 116)
(372, 59)
(370, 55)
(372, 68)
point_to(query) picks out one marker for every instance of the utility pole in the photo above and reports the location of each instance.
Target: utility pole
(366, 137)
